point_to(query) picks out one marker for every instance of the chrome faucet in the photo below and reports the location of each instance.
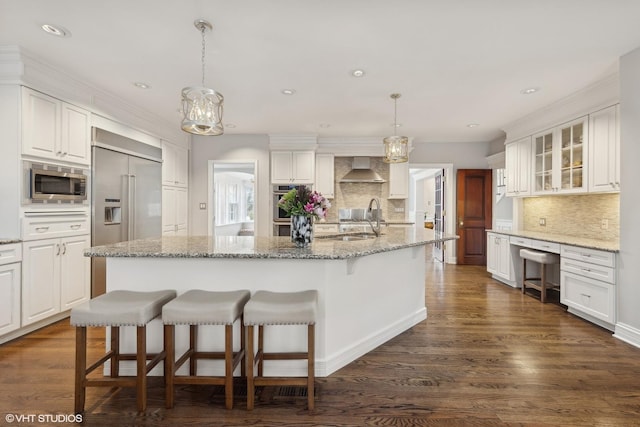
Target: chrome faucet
(374, 228)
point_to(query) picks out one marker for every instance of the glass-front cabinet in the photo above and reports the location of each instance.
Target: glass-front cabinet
(560, 158)
(543, 146)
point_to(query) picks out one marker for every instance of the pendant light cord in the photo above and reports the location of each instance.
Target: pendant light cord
(202, 30)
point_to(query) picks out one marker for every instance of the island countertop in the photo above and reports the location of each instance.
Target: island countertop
(322, 247)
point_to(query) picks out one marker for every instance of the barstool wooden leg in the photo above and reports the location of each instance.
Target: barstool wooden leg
(141, 368)
(311, 363)
(243, 348)
(169, 364)
(250, 353)
(260, 350)
(543, 283)
(81, 368)
(115, 348)
(193, 345)
(228, 366)
(524, 274)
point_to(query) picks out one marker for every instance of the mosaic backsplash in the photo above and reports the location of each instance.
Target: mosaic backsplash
(357, 195)
(579, 215)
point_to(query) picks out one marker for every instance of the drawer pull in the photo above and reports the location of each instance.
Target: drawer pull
(586, 295)
(588, 270)
(41, 229)
(75, 226)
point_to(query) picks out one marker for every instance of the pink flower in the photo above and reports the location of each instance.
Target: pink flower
(308, 207)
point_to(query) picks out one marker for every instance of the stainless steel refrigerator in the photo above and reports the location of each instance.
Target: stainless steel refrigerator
(126, 195)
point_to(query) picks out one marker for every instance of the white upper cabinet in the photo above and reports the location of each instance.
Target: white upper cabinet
(53, 129)
(398, 181)
(560, 156)
(292, 167)
(518, 167)
(604, 150)
(325, 175)
(175, 165)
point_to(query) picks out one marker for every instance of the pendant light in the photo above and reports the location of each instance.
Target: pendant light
(201, 106)
(396, 148)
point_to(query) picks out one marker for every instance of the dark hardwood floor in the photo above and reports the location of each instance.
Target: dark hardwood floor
(486, 356)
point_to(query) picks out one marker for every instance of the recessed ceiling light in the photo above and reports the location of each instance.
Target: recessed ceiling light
(397, 125)
(142, 85)
(288, 91)
(473, 125)
(324, 125)
(56, 30)
(229, 125)
(358, 72)
(529, 90)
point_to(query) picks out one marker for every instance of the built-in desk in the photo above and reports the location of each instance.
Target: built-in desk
(586, 273)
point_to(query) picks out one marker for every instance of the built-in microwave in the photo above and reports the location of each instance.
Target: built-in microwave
(47, 183)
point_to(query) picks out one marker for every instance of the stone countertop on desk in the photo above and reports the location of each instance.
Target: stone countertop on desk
(9, 241)
(324, 247)
(603, 245)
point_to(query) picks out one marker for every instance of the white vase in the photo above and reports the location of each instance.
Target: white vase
(301, 230)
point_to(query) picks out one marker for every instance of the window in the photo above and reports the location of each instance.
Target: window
(234, 198)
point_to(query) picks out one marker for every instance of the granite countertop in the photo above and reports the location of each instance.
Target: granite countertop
(325, 247)
(8, 241)
(603, 245)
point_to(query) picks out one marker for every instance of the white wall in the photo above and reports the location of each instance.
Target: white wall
(463, 155)
(229, 147)
(628, 287)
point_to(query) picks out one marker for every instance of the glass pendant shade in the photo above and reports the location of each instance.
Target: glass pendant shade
(396, 149)
(202, 109)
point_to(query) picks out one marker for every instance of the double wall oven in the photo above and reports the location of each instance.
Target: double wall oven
(281, 220)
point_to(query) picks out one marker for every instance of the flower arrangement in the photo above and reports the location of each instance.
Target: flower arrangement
(301, 200)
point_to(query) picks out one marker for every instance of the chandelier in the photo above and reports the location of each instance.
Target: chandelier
(201, 106)
(396, 148)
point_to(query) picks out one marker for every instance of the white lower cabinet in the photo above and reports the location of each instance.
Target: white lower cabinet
(587, 284)
(174, 211)
(56, 276)
(10, 274)
(499, 258)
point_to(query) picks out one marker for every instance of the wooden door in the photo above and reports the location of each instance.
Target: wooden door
(438, 215)
(473, 207)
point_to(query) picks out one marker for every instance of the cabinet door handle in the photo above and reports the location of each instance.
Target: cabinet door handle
(58, 246)
(64, 248)
(41, 229)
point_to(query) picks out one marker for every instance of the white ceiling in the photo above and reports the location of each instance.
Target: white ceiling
(455, 62)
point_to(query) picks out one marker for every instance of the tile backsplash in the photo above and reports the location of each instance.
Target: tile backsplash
(357, 195)
(578, 215)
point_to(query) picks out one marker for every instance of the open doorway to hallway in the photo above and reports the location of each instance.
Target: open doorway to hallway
(232, 194)
(430, 199)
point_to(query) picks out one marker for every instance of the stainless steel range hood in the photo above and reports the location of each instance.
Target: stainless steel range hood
(361, 172)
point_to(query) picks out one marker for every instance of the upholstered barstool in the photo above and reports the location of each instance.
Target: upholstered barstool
(115, 309)
(194, 308)
(544, 259)
(280, 308)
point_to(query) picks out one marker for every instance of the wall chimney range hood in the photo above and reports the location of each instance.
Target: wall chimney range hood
(361, 172)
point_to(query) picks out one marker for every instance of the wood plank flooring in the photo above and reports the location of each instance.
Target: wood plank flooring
(486, 356)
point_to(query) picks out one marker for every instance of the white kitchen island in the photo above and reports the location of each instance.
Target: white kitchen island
(370, 290)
